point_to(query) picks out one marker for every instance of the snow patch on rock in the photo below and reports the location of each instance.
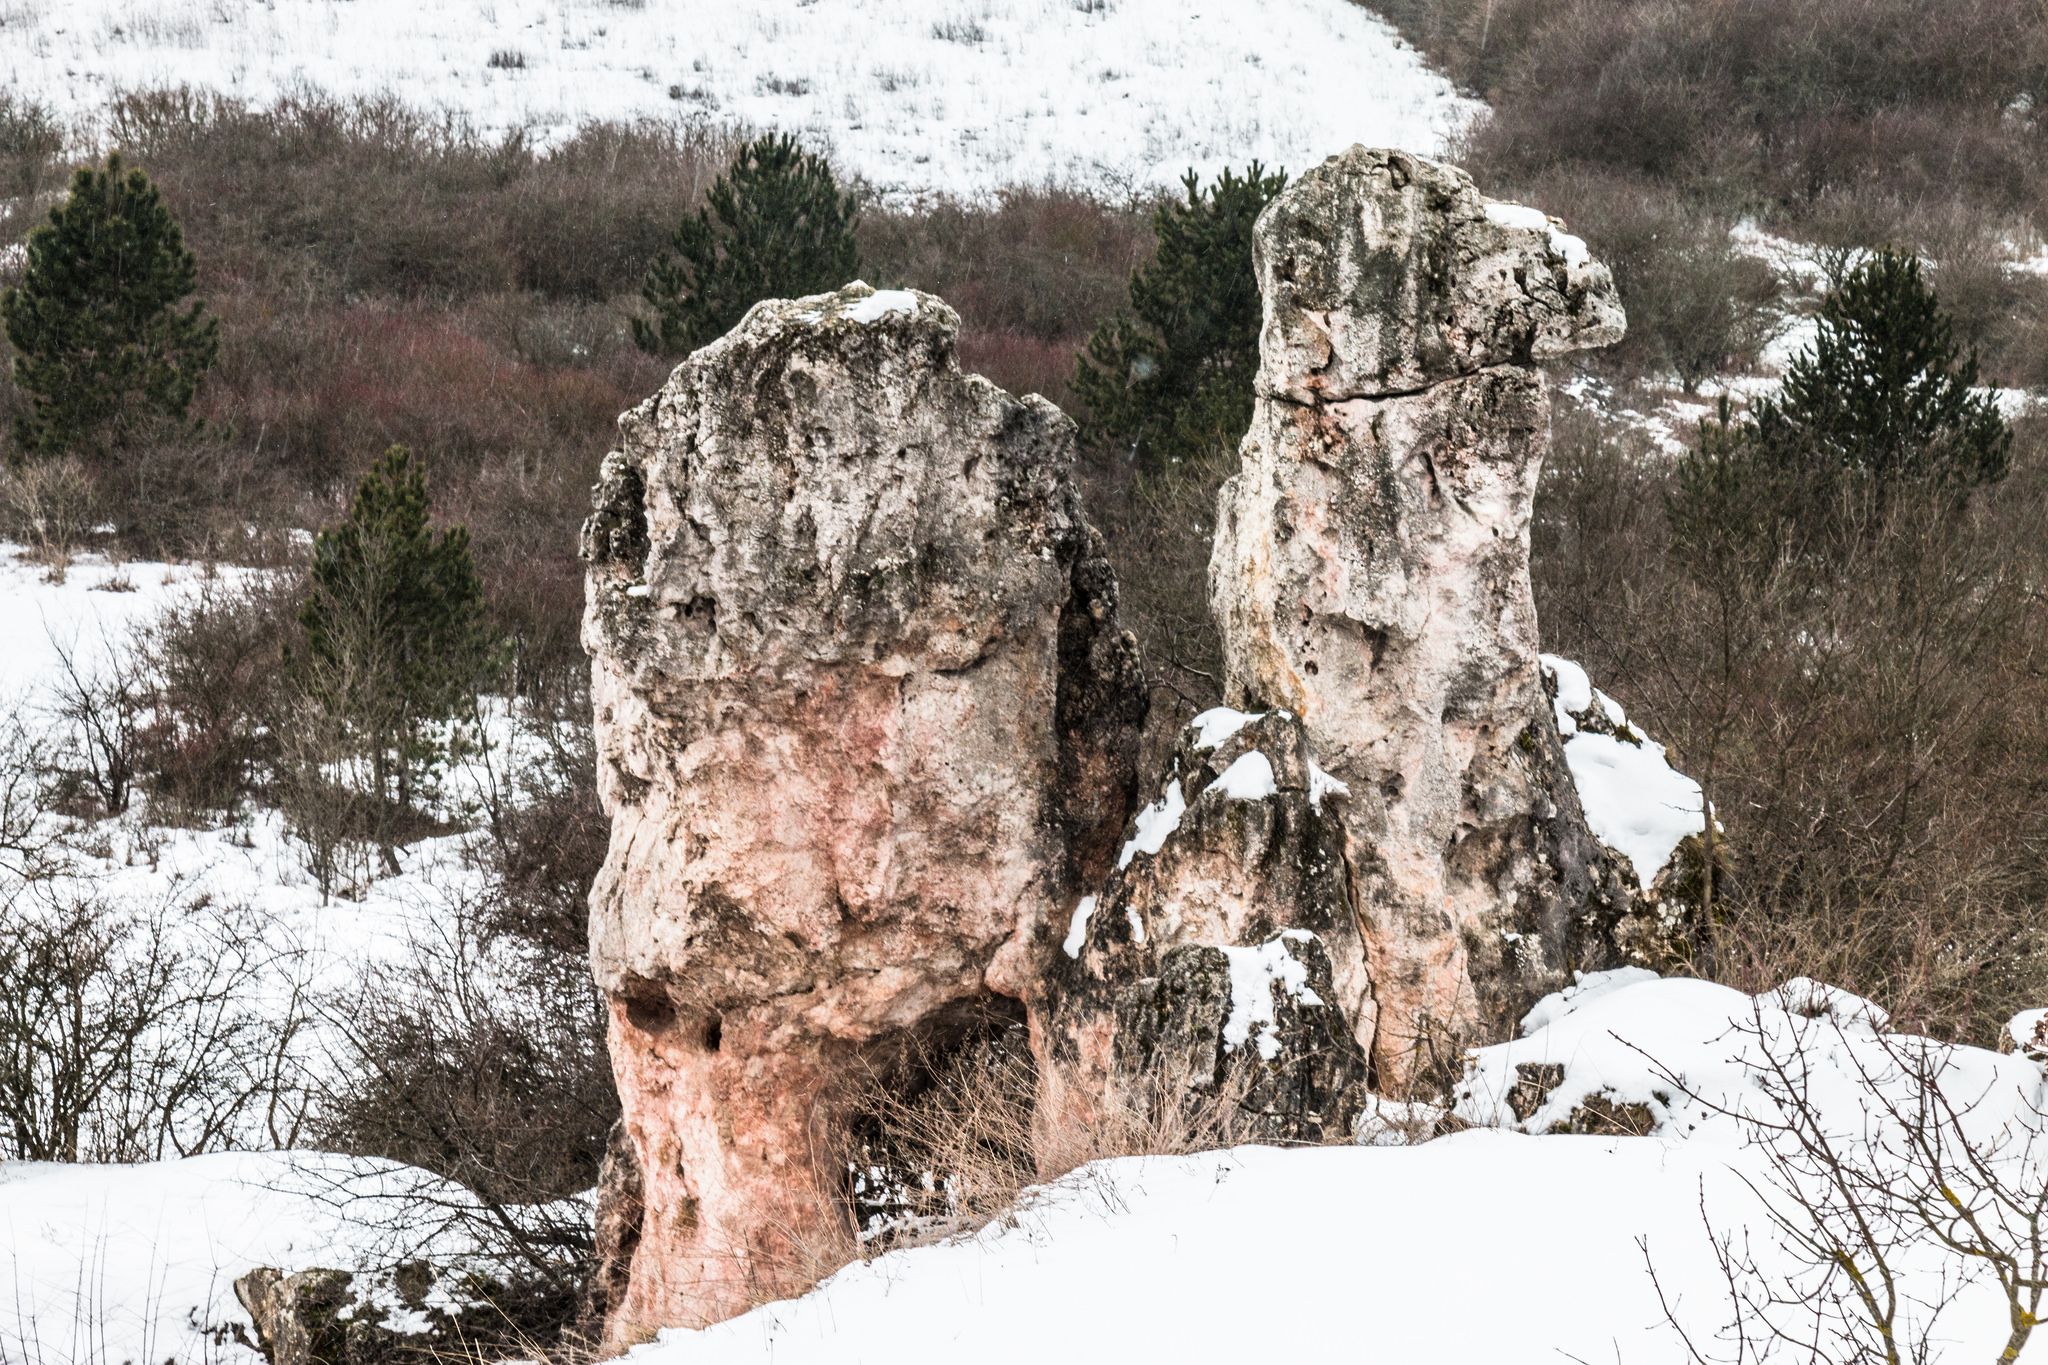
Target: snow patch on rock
(1217, 724)
(1155, 825)
(1248, 778)
(883, 303)
(1636, 803)
(1255, 974)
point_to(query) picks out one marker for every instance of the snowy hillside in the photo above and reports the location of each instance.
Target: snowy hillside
(958, 96)
(1489, 1244)
(1519, 1246)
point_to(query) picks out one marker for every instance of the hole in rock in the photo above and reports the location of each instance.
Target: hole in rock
(648, 1007)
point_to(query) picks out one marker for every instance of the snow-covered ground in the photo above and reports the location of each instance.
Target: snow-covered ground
(105, 1264)
(235, 901)
(952, 96)
(1497, 1244)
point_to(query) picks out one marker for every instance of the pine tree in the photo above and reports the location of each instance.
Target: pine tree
(101, 344)
(1885, 389)
(1884, 399)
(774, 225)
(393, 619)
(1175, 372)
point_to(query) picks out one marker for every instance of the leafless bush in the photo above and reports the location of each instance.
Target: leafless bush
(482, 1058)
(30, 842)
(545, 833)
(1159, 528)
(1859, 729)
(1696, 306)
(1938, 1183)
(134, 1033)
(340, 830)
(100, 705)
(50, 506)
(211, 663)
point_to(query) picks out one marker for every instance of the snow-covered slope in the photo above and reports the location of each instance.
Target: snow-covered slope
(105, 1264)
(956, 96)
(1487, 1245)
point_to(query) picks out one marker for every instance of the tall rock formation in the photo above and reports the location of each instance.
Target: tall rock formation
(867, 729)
(1371, 575)
(865, 720)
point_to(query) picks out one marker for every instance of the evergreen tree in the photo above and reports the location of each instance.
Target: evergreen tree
(1175, 372)
(1885, 389)
(101, 344)
(393, 619)
(1884, 399)
(774, 225)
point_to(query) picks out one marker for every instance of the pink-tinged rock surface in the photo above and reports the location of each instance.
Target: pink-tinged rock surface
(865, 722)
(1371, 575)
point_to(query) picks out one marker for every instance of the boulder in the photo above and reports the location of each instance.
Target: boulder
(1371, 576)
(865, 720)
(1218, 980)
(411, 1312)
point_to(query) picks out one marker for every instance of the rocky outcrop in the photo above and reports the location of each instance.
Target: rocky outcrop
(865, 720)
(1218, 981)
(1371, 576)
(868, 728)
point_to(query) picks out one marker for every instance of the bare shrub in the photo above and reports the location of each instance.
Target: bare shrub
(338, 827)
(1859, 730)
(483, 1058)
(1940, 1161)
(133, 1033)
(100, 703)
(1696, 306)
(212, 662)
(31, 141)
(545, 835)
(1160, 528)
(51, 506)
(1031, 275)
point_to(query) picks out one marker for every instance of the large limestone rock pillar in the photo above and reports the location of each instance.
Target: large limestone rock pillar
(1371, 575)
(866, 722)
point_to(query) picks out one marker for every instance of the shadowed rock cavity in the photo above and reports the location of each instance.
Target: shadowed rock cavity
(865, 719)
(1371, 576)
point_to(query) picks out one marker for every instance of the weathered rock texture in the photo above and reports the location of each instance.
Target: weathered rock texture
(1371, 575)
(865, 719)
(1218, 982)
(411, 1314)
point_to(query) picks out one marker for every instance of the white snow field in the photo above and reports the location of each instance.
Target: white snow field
(958, 97)
(1488, 1245)
(101, 1265)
